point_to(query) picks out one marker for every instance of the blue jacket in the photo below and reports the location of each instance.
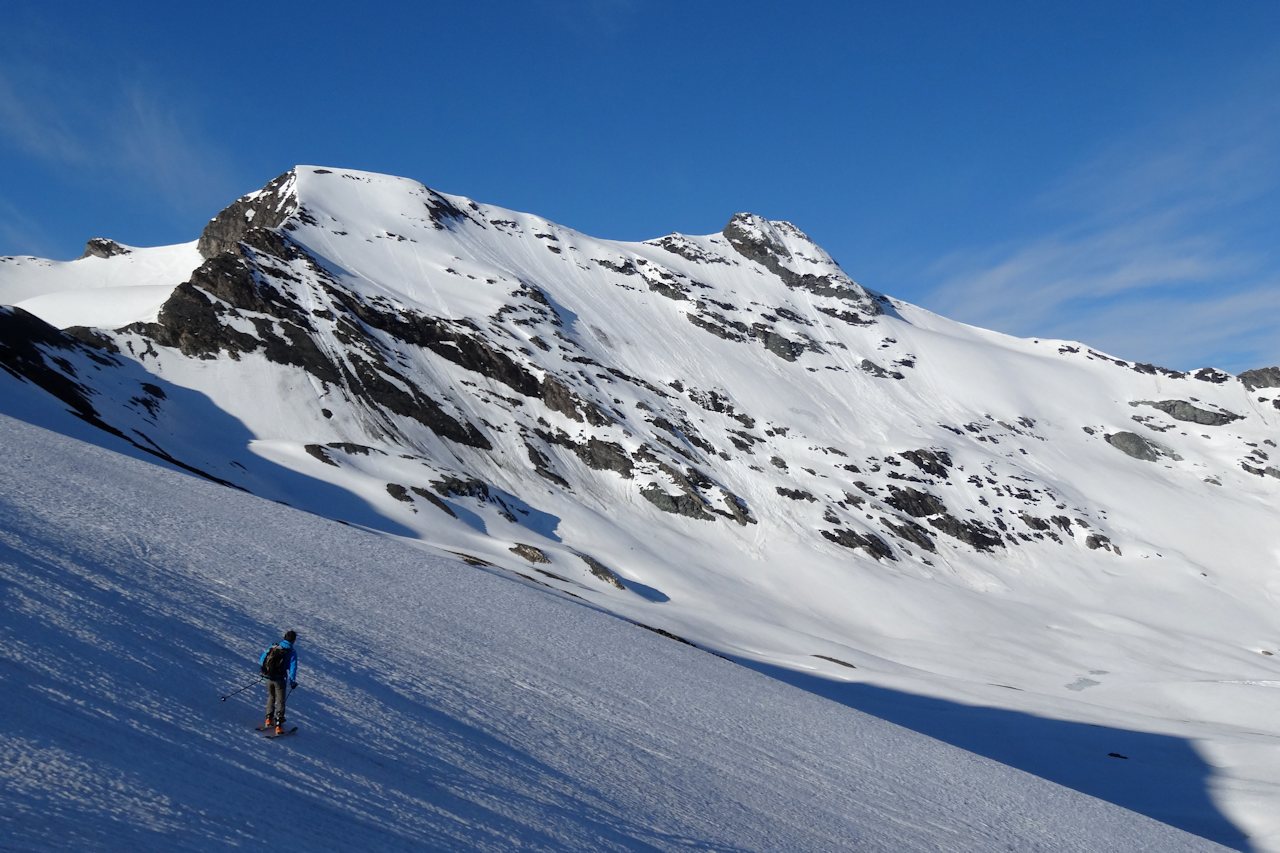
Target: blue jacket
(291, 671)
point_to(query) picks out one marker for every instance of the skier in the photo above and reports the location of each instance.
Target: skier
(279, 664)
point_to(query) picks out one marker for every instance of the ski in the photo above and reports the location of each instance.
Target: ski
(273, 735)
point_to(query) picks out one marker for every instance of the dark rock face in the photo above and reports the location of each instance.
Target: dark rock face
(269, 207)
(317, 451)
(795, 494)
(737, 509)
(101, 247)
(605, 456)
(745, 235)
(869, 366)
(33, 351)
(914, 502)
(196, 320)
(1212, 374)
(909, 531)
(936, 463)
(1140, 448)
(601, 571)
(234, 278)
(542, 466)
(780, 345)
(972, 533)
(1263, 377)
(531, 553)
(405, 398)
(1097, 541)
(468, 347)
(874, 545)
(1181, 410)
(433, 500)
(29, 351)
(189, 321)
(678, 244)
(685, 504)
(595, 453)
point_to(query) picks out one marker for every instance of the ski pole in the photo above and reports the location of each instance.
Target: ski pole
(242, 689)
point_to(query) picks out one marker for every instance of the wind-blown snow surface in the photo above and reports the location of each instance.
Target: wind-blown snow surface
(440, 707)
(1051, 556)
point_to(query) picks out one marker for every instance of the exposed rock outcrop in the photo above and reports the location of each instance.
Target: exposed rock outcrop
(268, 207)
(1141, 448)
(1263, 377)
(1181, 410)
(102, 247)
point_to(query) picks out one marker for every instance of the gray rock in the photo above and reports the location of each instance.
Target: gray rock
(1263, 377)
(1097, 541)
(973, 533)
(530, 553)
(1140, 448)
(934, 462)
(601, 571)
(873, 544)
(914, 502)
(745, 234)
(909, 531)
(1181, 410)
(269, 207)
(101, 247)
(682, 504)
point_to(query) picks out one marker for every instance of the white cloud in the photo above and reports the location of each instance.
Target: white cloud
(30, 124)
(1233, 332)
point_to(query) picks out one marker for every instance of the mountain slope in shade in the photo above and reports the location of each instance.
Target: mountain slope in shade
(438, 708)
(724, 438)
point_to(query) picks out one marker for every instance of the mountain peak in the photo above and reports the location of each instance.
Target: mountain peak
(268, 207)
(783, 249)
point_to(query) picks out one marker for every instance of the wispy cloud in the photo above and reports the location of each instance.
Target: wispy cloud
(28, 123)
(1158, 252)
(18, 229)
(127, 131)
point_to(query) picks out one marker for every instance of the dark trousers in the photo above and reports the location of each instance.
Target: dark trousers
(277, 692)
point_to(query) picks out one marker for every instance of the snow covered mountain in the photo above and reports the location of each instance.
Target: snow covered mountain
(726, 439)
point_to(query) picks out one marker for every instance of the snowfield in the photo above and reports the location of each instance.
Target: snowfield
(439, 706)
(107, 292)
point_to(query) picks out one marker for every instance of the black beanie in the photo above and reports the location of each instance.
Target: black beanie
(291, 635)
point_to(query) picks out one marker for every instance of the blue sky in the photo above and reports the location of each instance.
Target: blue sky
(1105, 172)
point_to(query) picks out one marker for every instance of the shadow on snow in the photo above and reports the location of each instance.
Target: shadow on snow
(1159, 776)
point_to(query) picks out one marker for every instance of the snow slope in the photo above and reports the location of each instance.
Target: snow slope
(726, 438)
(440, 707)
(108, 292)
